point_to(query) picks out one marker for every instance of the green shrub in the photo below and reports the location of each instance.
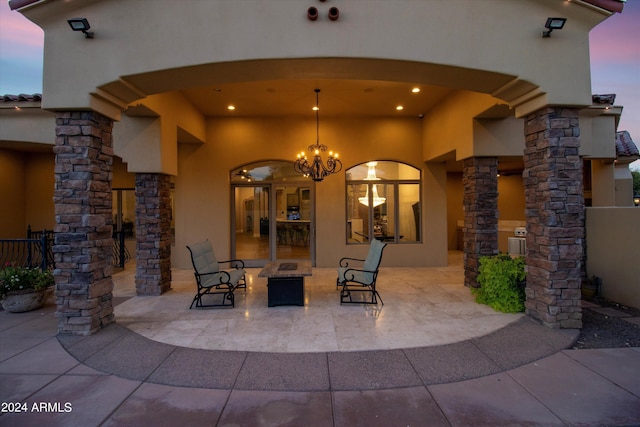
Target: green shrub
(500, 278)
(14, 278)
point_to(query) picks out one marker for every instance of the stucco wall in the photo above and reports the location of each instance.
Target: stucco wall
(27, 124)
(613, 236)
(12, 194)
(137, 40)
(203, 185)
(39, 183)
(26, 190)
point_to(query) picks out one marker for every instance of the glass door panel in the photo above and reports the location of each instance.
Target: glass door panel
(251, 215)
(293, 230)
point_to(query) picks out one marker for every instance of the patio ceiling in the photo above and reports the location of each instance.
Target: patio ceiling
(296, 98)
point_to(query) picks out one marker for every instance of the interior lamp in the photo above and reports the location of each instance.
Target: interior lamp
(371, 176)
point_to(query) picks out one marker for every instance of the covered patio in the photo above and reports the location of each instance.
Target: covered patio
(424, 306)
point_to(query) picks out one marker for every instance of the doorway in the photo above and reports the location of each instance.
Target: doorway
(272, 220)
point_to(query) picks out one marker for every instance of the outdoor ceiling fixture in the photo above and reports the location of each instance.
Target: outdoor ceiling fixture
(81, 24)
(371, 176)
(553, 24)
(315, 168)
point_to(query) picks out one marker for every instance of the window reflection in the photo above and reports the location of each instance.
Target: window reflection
(383, 201)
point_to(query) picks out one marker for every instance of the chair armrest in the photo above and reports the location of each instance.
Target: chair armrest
(236, 263)
(350, 274)
(344, 262)
(224, 279)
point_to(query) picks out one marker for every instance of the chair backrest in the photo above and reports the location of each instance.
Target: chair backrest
(372, 262)
(203, 258)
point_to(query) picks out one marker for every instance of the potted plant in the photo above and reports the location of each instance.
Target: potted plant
(501, 280)
(23, 289)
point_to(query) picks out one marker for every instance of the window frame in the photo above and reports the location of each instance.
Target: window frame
(395, 188)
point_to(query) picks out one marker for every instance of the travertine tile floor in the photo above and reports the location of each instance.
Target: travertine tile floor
(422, 307)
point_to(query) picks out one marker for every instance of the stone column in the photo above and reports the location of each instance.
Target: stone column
(555, 217)
(480, 233)
(153, 234)
(83, 239)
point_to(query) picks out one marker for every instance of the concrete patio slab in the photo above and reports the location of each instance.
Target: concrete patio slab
(520, 344)
(74, 401)
(277, 408)
(495, 400)
(449, 363)
(132, 357)
(17, 387)
(285, 372)
(576, 394)
(160, 405)
(371, 370)
(45, 358)
(413, 406)
(620, 365)
(189, 367)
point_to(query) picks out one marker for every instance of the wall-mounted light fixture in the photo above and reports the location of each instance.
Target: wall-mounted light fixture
(553, 24)
(81, 24)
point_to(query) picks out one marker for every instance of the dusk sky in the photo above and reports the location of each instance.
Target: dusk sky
(615, 60)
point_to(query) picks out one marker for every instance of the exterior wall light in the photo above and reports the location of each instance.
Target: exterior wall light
(553, 24)
(81, 24)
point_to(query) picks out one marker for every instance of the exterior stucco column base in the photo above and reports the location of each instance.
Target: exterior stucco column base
(153, 233)
(555, 217)
(83, 239)
(480, 233)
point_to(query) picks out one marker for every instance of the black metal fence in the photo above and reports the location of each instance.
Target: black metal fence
(36, 251)
(31, 253)
(119, 251)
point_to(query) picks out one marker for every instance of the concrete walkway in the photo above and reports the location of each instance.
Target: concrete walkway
(518, 375)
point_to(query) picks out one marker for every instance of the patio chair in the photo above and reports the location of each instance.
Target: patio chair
(361, 280)
(212, 281)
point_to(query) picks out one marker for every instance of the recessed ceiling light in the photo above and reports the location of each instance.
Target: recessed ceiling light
(399, 108)
(415, 90)
(231, 107)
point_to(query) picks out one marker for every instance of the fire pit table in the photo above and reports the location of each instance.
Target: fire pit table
(285, 281)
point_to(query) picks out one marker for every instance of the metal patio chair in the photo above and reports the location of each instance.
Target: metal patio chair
(214, 283)
(361, 280)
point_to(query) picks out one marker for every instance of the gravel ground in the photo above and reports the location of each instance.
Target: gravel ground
(602, 331)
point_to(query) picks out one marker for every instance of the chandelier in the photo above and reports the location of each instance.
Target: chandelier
(371, 176)
(315, 168)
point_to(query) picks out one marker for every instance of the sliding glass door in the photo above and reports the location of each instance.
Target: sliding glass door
(293, 222)
(251, 222)
(271, 220)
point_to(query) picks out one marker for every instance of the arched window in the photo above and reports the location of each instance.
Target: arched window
(268, 170)
(383, 201)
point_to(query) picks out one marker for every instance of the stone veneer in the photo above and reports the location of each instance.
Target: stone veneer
(555, 217)
(153, 233)
(480, 233)
(83, 231)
